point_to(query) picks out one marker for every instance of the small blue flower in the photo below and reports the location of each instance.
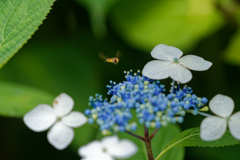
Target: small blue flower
(141, 97)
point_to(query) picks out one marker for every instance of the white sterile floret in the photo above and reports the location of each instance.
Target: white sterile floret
(109, 148)
(60, 117)
(213, 127)
(169, 64)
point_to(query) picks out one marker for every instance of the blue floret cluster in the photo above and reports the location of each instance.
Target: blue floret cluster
(140, 100)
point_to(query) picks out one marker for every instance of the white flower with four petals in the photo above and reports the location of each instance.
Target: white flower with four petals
(60, 117)
(108, 148)
(213, 127)
(171, 65)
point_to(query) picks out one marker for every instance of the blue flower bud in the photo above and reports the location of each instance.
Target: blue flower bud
(141, 120)
(90, 120)
(134, 127)
(180, 119)
(121, 128)
(157, 124)
(204, 100)
(175, 109)
(170, 96)
(163, 106)
(147, 124)
(173, 120)
(186, 106)
(194, 112)
(87, 112)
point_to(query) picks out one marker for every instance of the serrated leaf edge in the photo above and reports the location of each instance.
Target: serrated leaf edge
(3, 63)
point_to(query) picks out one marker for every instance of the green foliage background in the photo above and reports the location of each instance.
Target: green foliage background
(62, 56)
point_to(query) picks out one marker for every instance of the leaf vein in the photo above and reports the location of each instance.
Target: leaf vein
(8, 19)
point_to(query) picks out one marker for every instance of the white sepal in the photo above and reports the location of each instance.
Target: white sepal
(167, 53)
(40, 118)
(74, 119)
(179, 73)
(110, 141)
(157, 69)
(63, 104)
(95, 147)
(60, 136)
(213, 128)
(221, 105)
(234, 125)
(98, 157)
(109, 148)
(124, 149)
(195, 63)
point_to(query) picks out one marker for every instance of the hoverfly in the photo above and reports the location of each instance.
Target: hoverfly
(114, 60)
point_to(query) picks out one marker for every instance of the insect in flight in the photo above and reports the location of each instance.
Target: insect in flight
(114, 60)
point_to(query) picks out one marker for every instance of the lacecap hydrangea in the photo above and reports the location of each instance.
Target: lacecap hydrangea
(145, 99)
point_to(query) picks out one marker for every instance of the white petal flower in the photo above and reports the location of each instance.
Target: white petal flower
(222, 105)
(234, 125)
(213, 127)
(124, 149)
(60, 135)
(171, 65)
(41, 118)
(92, 147)
(165, 52)
(109, 148)
(74, 119)
(98, 157)
(60, 117)
(63, 104)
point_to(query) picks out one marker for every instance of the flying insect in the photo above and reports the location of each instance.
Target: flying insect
(113, 60)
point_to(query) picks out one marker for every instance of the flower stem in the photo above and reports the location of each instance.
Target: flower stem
(145, 132)
(204, 114)
(172, 87)
(148, 144)
(147, 140)
(136, 136)
(149, 149)
(153, 134)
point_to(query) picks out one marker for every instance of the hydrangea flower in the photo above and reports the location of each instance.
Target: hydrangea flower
(59, 118)
(169, 64)
(214, 127)
(109, 148)
(145, 99)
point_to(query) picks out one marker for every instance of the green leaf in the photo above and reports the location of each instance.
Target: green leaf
(161, 139)
(98, 11)
(191, 138)
(144, 24)
(16, 100)
(19, 19)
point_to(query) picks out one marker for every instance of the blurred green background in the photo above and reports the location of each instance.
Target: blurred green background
(62, 56)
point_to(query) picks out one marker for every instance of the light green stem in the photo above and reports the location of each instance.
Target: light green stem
(160, 155)
(171, 146)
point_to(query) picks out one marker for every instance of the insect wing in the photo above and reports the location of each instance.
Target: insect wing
(102, 56)
(118, 54)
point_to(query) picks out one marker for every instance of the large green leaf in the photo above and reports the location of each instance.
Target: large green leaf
(191, 138)
(161, 139)
(19, 19)
(16, 100)
(145, 24)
